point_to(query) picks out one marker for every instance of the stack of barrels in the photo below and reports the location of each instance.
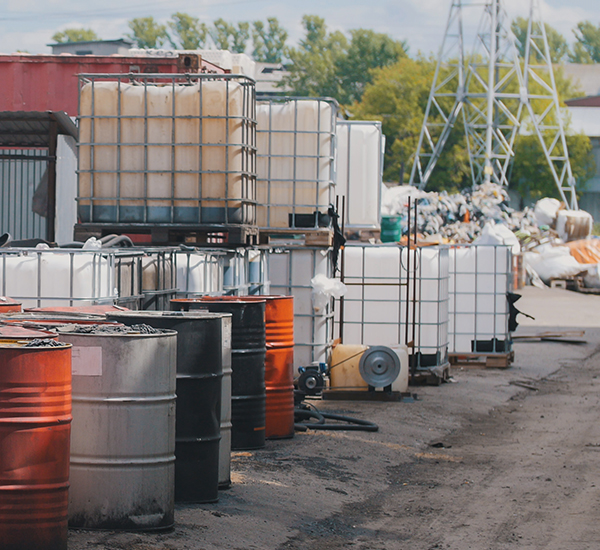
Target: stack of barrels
(226, 362)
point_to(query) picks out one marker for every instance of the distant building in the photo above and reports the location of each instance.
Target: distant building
(584, 115)
(121, 46)
(586, 77)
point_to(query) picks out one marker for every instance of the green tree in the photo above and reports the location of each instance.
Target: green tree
(147, 33)
(557, 43)
(190, 33)
(74, 35)
(313, 64)
(367, 50)
(587, 47)
(531, 174)
(226, 36)
(268, 41)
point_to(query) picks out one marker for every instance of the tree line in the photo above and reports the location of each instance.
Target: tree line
(373, 77)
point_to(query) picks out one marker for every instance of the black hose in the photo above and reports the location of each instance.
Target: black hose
(116, 240)
(303, 414)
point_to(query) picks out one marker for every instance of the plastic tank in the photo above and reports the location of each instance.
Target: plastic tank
(378, 304)
(42, 278)
(199, 272)
(123, 478)
(173, 153)
(480, 277)
(199, 378)
(359, 171)
(35, 427)
(295, 158)
(290, 272)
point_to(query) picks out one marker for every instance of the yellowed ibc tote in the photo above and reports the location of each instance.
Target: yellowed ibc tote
(294, 160)
(156, 153)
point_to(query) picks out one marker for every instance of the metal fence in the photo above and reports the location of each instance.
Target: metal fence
(21, 172)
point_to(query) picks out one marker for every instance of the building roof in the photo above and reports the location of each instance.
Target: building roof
(120, 41)
(589, 101)
(33, 128)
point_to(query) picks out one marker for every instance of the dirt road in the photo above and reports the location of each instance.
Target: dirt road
(498, 459)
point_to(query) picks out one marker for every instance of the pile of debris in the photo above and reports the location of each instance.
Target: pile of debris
(460, 217)
(556, 243)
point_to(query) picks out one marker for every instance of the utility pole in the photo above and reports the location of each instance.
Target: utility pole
(492, 88)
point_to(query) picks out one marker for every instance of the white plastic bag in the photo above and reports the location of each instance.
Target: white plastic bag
(497, 233)
(323, 289)
(553, 262)
(545, 211)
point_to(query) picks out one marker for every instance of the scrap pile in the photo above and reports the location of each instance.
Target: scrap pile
(556, 243)
(460, 217)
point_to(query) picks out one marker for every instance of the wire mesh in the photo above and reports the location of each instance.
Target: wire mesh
(396, 296)
(174, 149)
(480, 277)
(295, 160)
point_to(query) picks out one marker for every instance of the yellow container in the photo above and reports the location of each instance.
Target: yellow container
(344, 372)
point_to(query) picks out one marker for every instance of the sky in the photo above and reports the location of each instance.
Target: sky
(28, 25)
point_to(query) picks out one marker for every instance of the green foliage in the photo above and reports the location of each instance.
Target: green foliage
(313, 63)
(268, 42)
(327, 64)
(226, 36)
(147, 33)
(587, 47)
(190, 33)
(75, 35)
(531, 174)
(557, 43)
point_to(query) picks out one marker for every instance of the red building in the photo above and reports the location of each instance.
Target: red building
(50, 82)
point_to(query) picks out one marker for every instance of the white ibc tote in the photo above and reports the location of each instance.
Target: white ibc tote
(295, 139)
(290, 271)
(168, 149)
(480, 277)
(383, 306)
(359, 171)
(58, 277)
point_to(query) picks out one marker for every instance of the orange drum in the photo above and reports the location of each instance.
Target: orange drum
(35, 430)
(279, 363)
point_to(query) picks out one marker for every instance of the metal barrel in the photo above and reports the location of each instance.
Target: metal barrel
(248, 368)
(100, 309)
(199, 387)
(123, 436)
(35, 428)
(225, 446)
(8, 305)
(16, 332)
(279, 362)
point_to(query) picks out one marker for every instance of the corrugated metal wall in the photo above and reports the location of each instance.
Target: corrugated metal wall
(21, 171)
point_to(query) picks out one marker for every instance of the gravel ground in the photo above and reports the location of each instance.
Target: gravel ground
(497, 458)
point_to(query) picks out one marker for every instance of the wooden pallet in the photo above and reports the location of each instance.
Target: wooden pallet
(479, 359)
(362, 235)
(172, 234)
(307, 237)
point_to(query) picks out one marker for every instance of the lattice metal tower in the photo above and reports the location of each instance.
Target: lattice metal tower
(491, 91)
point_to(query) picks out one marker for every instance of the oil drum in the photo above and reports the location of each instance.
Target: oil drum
(8, 305)
(35, 428)
(199, 387)
(248, 367)
(123, 433)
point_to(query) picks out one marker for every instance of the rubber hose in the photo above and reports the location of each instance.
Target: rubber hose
(352, 424)
(116, 240)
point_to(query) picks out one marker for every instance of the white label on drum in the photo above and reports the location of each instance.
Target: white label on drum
(86, 361)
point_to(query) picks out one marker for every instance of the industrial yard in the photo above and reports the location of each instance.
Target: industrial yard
(497, 459)
(323, 296)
